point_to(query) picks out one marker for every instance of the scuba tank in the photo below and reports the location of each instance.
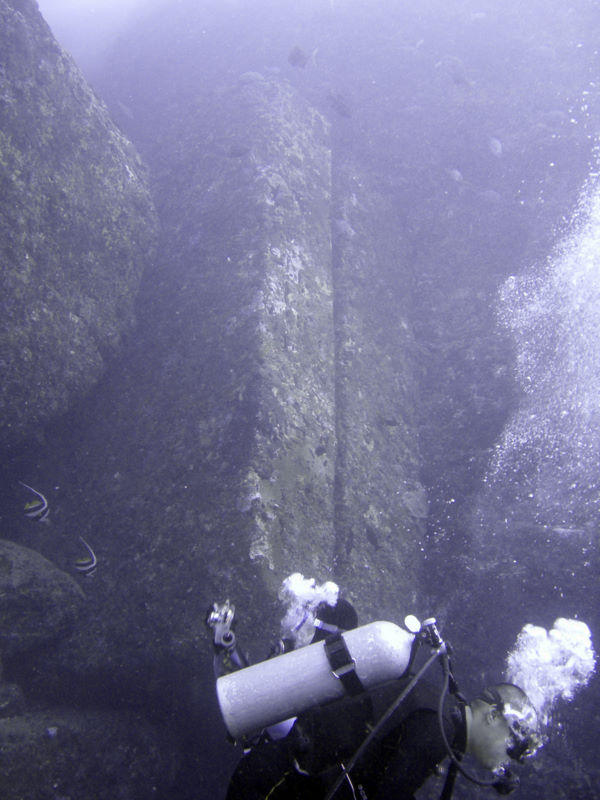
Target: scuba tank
(274, 690)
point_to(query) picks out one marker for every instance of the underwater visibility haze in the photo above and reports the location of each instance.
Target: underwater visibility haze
(292, 289)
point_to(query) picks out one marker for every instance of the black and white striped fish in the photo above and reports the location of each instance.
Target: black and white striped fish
(37, 508)
(86, 564)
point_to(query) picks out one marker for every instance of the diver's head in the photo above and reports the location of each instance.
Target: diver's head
(331, 619)
(502, 724)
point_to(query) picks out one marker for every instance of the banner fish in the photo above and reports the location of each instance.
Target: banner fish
(37, 508)
(86, 564)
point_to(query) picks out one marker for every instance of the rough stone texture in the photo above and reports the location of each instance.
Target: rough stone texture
(207, 455)
(204, 461)
(207, 461)
(12, 701)
(76, 227)
(254, 215)
(381, 506)
(241, 311)
(38, 602)
(60, 753)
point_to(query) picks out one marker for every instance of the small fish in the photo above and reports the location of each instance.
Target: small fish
(38, 508)
(86, 564)
(339, 104)
(456, 71)
(238, 150)
(298, 57)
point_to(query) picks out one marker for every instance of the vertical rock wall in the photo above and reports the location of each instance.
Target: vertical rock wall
(77, 228)
(258, 423)
(380, 504)
(251, 430)
(247, 235)
(288, 481)
(206, 459)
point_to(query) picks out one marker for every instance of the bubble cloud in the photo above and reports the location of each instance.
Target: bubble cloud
(552, 665)
(302, 596)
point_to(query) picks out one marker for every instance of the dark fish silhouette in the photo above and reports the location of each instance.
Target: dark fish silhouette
(339, 104)
(237, 150)
(298, 57)
(456, 71)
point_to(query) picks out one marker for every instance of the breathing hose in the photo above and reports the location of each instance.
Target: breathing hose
(503, 784)
(368, 739)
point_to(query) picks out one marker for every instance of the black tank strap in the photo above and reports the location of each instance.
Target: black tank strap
(342, 664)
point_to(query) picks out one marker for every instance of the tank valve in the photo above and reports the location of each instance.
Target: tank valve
(220, 619)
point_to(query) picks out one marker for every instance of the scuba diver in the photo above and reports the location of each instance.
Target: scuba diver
(364, 723)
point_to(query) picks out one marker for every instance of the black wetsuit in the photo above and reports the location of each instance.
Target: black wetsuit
(305, 764)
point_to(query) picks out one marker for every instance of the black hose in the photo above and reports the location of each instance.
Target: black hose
(479, 781)
(387, 714)
(449, 782)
